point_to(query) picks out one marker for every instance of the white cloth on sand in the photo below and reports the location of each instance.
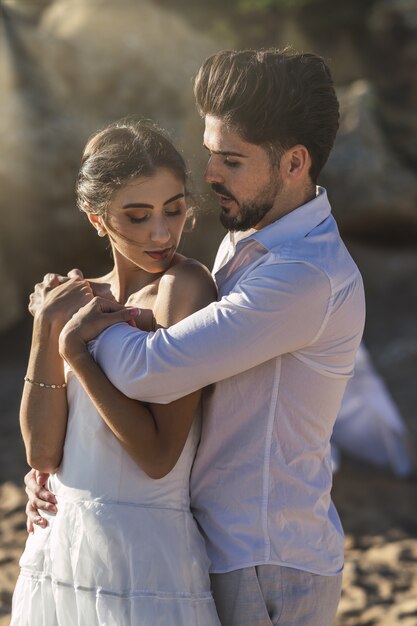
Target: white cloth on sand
(369, 426)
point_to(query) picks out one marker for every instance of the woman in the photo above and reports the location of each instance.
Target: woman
(123, 548)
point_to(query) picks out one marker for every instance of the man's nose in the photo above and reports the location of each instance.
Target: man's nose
(212, 173)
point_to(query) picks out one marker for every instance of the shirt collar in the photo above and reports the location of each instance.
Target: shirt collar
(294, 225)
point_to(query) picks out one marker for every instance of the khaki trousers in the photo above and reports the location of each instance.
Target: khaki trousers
(272, 595)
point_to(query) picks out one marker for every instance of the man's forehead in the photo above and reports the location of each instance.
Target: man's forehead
(219, 137)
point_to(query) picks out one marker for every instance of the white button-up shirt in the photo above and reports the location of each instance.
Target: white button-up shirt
(280, 345)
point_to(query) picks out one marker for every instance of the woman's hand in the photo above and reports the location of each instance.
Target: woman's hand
(90, 321)
(37, 297)
(57, 298)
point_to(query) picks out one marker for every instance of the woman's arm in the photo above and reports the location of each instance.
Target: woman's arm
(153, 435)
(43, 411)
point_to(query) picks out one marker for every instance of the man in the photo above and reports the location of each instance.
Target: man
(279, 344)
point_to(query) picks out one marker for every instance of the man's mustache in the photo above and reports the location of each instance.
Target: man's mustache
(222, 191)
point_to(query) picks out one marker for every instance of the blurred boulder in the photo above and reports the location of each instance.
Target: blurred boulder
(393, 63)
(10, 305)
(373, 191)
(32, 134)
(133, 57)
(79, 65)
(125, 57)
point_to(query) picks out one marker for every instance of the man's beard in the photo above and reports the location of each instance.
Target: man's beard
(252, 212)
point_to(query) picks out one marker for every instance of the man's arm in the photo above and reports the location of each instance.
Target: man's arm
(277, 309)
(153, 434)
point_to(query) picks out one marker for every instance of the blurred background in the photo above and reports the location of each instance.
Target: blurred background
(68, 67)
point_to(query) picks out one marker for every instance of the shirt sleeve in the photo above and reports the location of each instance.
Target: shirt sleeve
(276, 310)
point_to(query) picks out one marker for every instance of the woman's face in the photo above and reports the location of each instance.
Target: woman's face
(147, 217)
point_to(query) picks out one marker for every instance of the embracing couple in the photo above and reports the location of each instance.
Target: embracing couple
(144, 527)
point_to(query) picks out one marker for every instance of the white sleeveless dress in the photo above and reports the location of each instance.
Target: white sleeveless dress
(123, 549)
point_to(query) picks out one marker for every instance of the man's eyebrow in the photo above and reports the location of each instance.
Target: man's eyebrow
(142, 205)
(226, 152)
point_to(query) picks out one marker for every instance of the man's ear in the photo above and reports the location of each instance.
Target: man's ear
(295, 163)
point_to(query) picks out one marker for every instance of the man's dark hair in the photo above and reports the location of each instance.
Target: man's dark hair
(273, 98)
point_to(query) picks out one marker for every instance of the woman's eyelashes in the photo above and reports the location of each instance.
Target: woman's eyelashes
(138, 219)
(174, 212)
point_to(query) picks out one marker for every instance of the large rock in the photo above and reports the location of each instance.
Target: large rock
(40, 142)
(67, 69)
(133, 57)
(373, 192)
(126, 57)
(10, 301)
(393, 63)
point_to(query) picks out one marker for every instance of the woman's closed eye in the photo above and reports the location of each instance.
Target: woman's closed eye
(173, 210)
(137, 219)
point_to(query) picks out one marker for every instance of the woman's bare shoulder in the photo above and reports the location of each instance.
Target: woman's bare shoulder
(187, 268)
(185, 288)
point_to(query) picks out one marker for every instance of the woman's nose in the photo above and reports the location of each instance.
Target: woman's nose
(160, 232)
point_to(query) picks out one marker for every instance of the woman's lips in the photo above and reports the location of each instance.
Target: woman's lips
(159, 255)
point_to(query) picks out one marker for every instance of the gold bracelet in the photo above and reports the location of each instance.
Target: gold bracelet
(44, 385)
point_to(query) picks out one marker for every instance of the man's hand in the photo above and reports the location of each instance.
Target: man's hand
(57, 298)
(89, 322)
(39, 498)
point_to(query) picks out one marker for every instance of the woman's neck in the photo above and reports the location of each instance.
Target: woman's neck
(125, 279)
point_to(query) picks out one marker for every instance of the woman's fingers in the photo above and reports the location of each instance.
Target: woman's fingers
(53, 280)
(91, 320)
(104, 313)
(75, 273)
(60, 300)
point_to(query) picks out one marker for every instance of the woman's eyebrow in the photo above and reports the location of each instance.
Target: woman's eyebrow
(137, 205)
(143, 205)
(177, 197)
